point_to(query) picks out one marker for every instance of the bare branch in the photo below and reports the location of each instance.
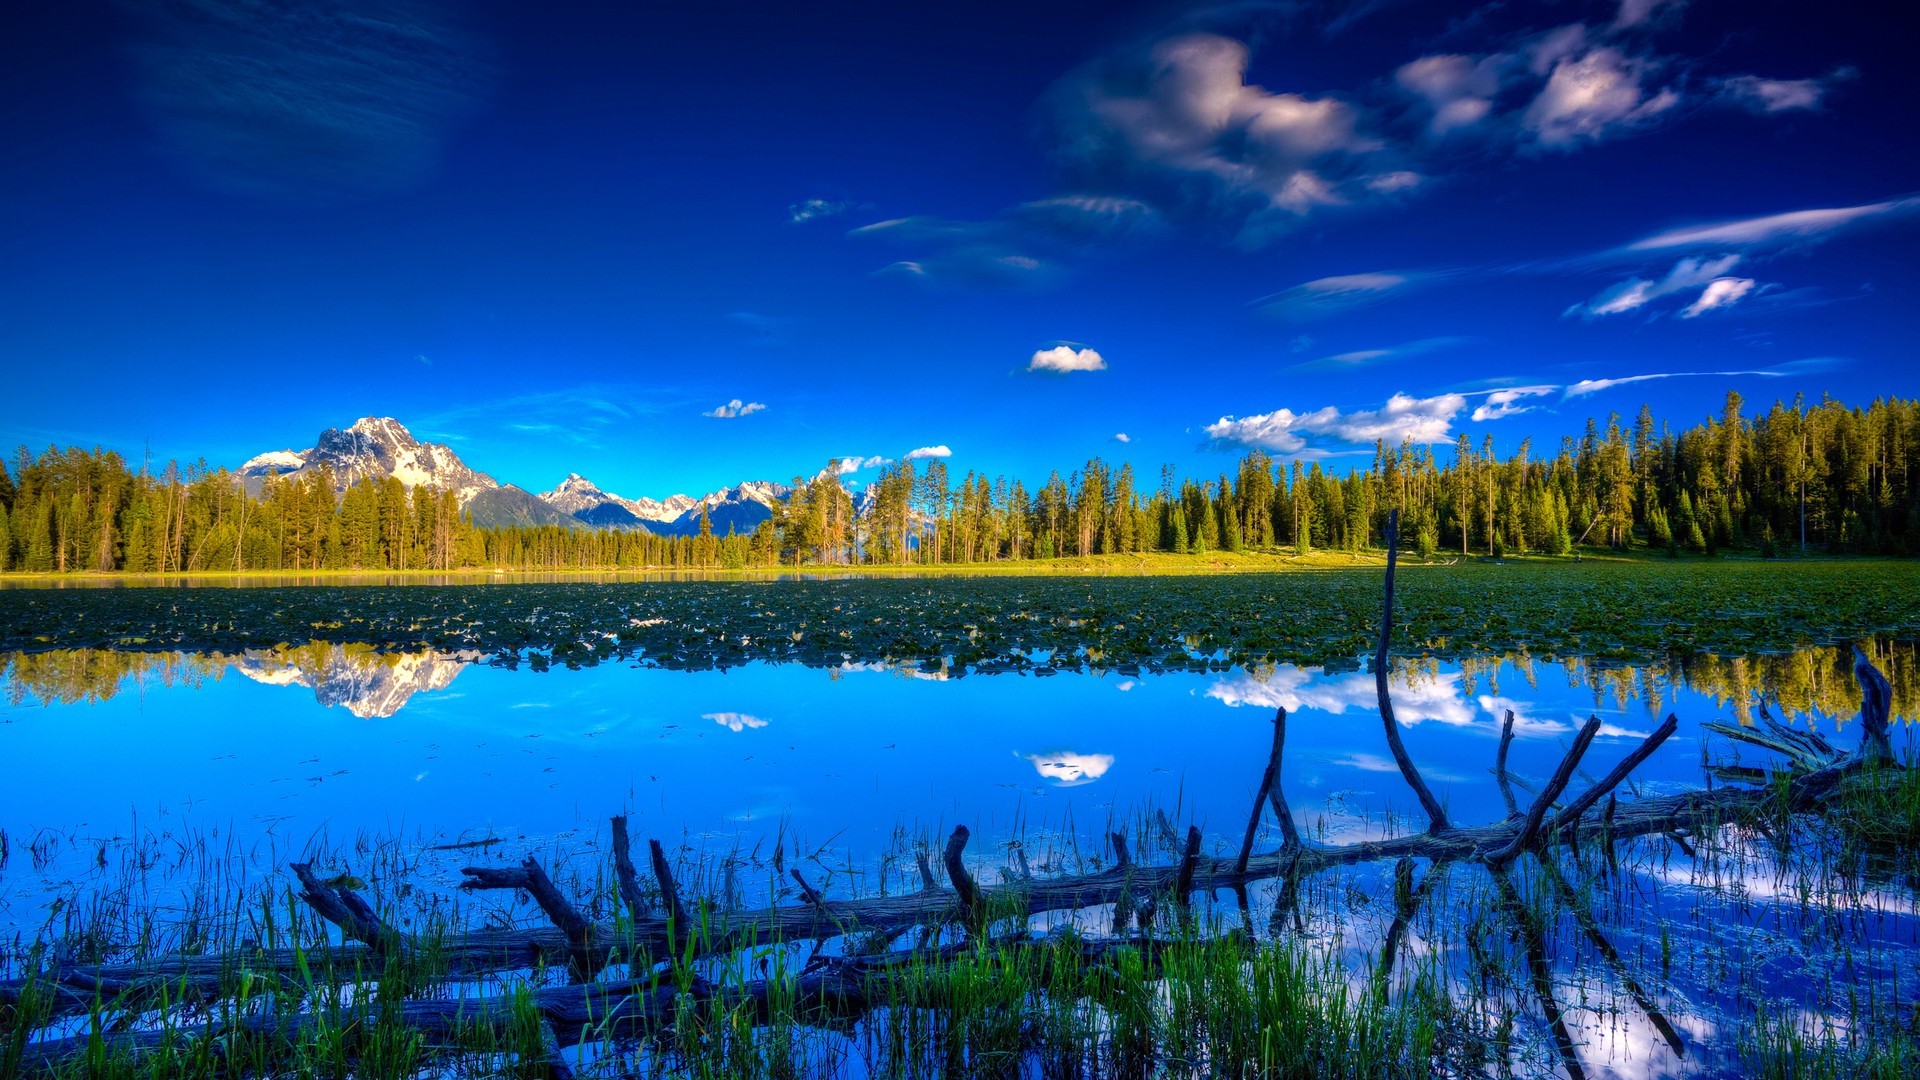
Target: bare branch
(1436, 814)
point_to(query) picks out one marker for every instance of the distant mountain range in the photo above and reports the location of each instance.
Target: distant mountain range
(378, 447)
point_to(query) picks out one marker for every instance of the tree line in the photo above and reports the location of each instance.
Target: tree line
(1800, 477)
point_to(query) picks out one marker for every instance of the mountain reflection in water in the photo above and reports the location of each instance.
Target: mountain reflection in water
(1815, 682)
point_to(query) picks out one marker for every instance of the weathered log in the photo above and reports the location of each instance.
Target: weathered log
(963, 886)
(1189, 860)
(627, 879)
(1876, 709)
(346, 909)
(669, 892)
(1436, 814)
(530, 877)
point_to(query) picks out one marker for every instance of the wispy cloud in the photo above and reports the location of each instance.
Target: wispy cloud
(1686, 275)
(1593, 386)
(1503, 403)
(1781, 95)
(1802, 226)
(1360, 358)
(734, 409)
(1029, 247)
(813, 209)
(1326, 296)
(1066, 360)
(314, 102)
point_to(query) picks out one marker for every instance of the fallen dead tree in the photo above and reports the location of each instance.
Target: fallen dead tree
(1136, 894)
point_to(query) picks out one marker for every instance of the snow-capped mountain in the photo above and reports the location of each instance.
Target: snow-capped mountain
(742, 507)
(378, 447)
(582, 498)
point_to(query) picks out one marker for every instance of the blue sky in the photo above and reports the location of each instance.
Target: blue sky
(559, 238)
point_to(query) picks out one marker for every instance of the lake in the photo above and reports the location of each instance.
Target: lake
(147, 773)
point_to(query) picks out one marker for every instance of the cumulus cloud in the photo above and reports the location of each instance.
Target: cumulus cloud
(853, 463)
(1636, 293)
(1501, 404)
(1178, 124)
(812, 209)
(1402, 419)
(923, 452)
(734, 721)
(1594, 96)
(1326, 296)
(1065, 360)
(1123, 437)
(1792, 226)
(734, 409)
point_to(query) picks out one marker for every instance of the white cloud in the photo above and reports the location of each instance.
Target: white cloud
(854, 463)
(802, 212)
(1457, 90)
(1774, 95)
(1595, 96)
(1594, 386)
(1182, 122)
(735, 408)
(1639, 12)
(1123, 437)
(1789, 226)
(923, 452)
(1719, 293)
(1636, 293)
(1070, 769)
(1402, 419)
(1065, 359)
(1331, 295)
(734, 721)
(1501, 404)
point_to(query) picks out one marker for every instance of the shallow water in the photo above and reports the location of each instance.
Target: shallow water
(260, 756)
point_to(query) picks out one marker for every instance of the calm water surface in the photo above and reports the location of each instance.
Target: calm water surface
(262, 756)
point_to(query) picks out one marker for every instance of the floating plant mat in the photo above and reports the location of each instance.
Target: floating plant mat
(1624, 610)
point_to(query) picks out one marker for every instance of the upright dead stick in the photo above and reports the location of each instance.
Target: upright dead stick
(1436, 815)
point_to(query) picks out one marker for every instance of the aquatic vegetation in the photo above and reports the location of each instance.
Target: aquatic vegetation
(1598, 610)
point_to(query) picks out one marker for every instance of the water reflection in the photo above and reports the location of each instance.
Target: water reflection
(1815, 683)
(1069, 769)
(1616, 975)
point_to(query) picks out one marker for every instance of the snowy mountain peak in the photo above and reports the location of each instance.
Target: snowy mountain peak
(380, 448)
